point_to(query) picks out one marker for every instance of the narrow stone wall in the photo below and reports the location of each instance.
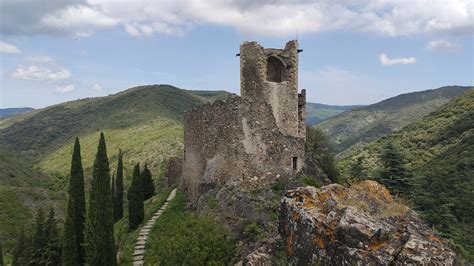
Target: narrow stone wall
(174, 170)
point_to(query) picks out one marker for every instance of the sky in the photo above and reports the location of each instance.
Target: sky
(354, 51)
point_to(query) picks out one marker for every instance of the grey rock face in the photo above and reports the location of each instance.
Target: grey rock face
(361, 225)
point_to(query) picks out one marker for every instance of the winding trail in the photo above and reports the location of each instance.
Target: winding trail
(139, 250)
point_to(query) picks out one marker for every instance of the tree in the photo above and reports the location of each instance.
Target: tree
(52, 251)
(100, 246)
(394, 174)
(318, 150)
(118, 195)
(39, 239)
(147, 183)
(74, 253)
(357, 170)
(135, 200)
(1, 255)
(112, 190)
(20, 253)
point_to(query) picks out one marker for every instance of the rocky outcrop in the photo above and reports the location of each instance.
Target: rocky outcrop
(361, 225)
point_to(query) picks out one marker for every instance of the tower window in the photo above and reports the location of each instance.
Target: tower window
(275, 69)
(295, 163)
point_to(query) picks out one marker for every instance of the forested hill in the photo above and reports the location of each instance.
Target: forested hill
(361, 125)
(143, 121)
(439, 150)
(318, 112)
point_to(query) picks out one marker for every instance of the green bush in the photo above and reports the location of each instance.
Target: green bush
(183, 238)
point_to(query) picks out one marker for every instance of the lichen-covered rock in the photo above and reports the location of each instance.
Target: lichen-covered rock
(361, 225)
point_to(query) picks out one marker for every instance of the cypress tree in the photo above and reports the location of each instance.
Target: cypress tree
(1, 255)
(20, 252)
(52, 254)
(100, 246)
(135, 200)
(394, 175)
(73, 242)
(70, 254)
(39, 239)
(147, 183)
(118, 196)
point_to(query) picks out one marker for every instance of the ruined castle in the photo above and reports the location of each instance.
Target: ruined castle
(252, 138)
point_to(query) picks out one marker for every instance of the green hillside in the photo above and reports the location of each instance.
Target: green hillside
(23, 187)
(440, 151)
(361, 125)
(317, 112)
(145, 122)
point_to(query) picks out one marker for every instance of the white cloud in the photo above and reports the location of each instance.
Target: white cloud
(441, 45)
(39, 59)
(34, 72)
(65, 88)
(8, 48)
(78, 19)
(97, 87)
(384, 60)
(265, 17)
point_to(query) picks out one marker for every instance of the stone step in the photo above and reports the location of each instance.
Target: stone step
(145, 231)
(138, 263)
(143, 237)
(140, 242)
(139, 247)
(138, 257)
(138, 252)
(143, 234)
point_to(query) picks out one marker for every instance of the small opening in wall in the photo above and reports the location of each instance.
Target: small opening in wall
(275, 69)
(295, 163)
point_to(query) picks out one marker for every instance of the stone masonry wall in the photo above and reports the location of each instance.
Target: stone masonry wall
(235, 140)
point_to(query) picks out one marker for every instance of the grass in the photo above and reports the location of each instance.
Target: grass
(183, 238)
(152, 142)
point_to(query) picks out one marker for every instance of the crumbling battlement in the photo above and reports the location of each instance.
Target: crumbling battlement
(271, 75)
(257, 136)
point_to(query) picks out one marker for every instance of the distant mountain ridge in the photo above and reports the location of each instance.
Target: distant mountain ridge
(7, 112)
(439, 149)
(361, 125)
(318, 112)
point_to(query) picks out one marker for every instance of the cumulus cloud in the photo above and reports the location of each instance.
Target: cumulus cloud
(441, 45)
(266, 17)
(65, 88)
(42, 73)
(385, 60)
(8, 48)
(97, 87)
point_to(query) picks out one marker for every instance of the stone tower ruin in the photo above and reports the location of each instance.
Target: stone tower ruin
(271, 75)
(253, 139)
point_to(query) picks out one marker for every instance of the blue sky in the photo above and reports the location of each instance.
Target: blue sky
(355, 52)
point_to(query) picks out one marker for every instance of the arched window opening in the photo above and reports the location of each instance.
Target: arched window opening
(275, 69)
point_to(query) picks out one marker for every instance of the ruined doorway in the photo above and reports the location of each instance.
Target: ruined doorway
(275, 69)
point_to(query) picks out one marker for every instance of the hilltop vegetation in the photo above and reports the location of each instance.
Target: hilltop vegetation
(362, 125)
(439, 149)
(9, 112)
